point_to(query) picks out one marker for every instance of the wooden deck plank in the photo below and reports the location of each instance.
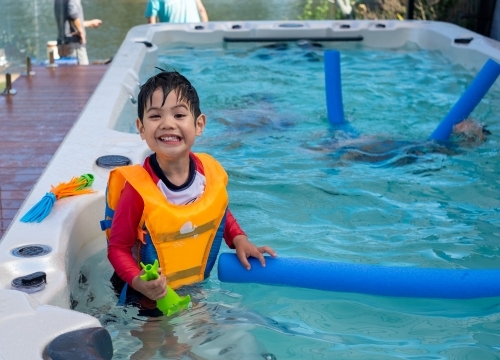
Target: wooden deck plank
(33, 124)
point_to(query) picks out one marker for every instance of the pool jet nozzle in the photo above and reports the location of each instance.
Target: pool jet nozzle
(171, 303)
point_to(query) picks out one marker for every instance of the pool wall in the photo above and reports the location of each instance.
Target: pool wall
(72, 228)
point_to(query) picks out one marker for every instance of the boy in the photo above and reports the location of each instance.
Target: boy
(174, 207)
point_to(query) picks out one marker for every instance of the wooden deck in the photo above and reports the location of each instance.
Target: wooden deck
(33, 124)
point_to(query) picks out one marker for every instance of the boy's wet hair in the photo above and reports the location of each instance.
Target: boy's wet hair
(168, 81)
(470, 131)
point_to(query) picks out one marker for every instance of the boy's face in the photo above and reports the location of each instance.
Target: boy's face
(169, 130)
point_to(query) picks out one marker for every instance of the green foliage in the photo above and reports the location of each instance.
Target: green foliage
(436, 10)
(380, 9)
(17, 46)
(433, 9)
(320, 10)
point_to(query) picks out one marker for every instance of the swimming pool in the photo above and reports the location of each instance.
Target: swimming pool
(289, 189)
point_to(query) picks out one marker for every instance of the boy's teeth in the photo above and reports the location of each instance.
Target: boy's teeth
(169, 138)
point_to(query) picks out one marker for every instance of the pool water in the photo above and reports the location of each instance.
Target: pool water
(293, 187)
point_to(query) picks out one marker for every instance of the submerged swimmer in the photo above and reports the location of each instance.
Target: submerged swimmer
(253, 112)
(374, 150)
(298, 51)
(470, 132)
(251, 120)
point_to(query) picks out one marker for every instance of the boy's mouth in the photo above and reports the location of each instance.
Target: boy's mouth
(170, 138)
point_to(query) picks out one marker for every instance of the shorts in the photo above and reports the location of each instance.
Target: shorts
(74, 50)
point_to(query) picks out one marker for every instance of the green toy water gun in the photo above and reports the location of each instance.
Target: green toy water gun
(171, 303)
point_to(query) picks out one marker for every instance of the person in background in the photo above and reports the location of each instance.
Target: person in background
(71, 39)
(176, 11)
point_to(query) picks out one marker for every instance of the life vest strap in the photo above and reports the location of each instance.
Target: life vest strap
(123, 296)
(141, 235)
(184, 274)
(106, 224)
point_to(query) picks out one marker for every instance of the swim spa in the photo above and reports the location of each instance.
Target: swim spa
(375, 220)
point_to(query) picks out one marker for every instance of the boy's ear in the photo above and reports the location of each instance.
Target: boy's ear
(200, 124)
(140, 127)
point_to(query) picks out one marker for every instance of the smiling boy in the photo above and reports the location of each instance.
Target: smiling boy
(174, 207)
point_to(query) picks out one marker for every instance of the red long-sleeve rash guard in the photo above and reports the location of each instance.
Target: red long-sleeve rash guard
(127, 217)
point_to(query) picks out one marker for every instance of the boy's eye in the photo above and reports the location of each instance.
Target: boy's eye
(154, 116)
(179, 115)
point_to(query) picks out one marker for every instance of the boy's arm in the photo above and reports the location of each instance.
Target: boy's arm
(237, 239)
(245, 248)
(231, 229)
(124, 232)
(128, 214)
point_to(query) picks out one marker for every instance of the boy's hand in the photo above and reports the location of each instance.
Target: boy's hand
(245, 249)
(153, 289)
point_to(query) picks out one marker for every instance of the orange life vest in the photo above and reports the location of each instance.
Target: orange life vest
(185, 238)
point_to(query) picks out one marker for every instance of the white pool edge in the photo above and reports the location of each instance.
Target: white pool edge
(72, 229)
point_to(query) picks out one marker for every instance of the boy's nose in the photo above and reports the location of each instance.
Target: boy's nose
(167, 122)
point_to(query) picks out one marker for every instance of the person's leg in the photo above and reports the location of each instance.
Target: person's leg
(152, 337)
(81, 55)
(79, 52)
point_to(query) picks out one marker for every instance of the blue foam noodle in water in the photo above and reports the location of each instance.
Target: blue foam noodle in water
(333, 88)
(468, 101)
(366, 279)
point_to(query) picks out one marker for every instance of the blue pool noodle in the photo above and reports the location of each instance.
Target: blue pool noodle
(366, 279)
(468, 101)
(333, 88)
